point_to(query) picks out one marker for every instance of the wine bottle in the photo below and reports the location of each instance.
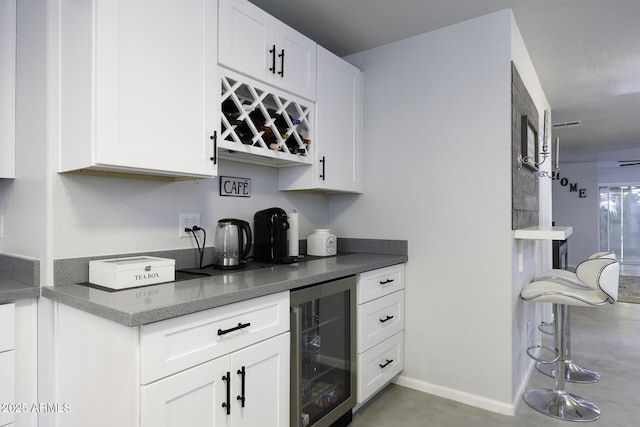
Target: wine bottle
(243, 131)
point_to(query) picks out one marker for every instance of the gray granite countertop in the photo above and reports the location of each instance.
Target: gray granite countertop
(12, 290)
(138, 306)
(19, 278)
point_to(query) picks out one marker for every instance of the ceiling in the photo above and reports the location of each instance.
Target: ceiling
(586, 54)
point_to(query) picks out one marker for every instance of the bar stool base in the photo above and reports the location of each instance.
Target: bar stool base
(561, 405)
(573, 372)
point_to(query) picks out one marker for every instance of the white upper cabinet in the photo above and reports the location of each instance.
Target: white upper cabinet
(338, 150)
(138, 86)
(7, 87)
(257, 44)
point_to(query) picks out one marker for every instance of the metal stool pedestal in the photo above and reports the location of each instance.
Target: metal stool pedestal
(573, 372)
(557, 402)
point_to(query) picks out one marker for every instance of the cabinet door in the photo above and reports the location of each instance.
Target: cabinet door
(378, 365)
(7, 385)
(266, 384)
(145, 92)
(190, 398)
(7, 87)
(174, 345)
(338, 147)
(339, 123)
(247, 39)
(296, 62)
(257, 44)
(379, 319)
(380, 282)
(8, 321)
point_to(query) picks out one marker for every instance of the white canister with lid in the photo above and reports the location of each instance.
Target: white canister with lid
(322, 243)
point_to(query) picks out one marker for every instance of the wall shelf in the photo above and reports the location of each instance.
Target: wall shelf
(543, 233)
(538, 233)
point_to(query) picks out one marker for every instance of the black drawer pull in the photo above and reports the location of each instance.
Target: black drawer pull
(272, 51)
(322, 174)
(227, 404)
(384, 365)
(386, 281)
(242, 397)
(386, 319)
(281, 56)
(214, 138)
(240, 326)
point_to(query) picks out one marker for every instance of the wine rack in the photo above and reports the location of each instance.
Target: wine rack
(262, 125)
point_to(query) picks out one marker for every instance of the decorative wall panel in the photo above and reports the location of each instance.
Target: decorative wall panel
(524, 190)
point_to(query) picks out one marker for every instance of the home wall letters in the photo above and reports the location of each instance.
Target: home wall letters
(573, 186)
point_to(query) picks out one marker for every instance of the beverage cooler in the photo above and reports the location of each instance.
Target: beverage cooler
(323, 354)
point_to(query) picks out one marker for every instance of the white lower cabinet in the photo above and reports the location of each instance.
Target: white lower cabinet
(191, 398)
(226, 366)
(7, 363)
(378, 365)
(247, 388)
(380, 328)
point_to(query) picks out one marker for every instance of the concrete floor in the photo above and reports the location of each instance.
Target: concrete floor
(612, 348)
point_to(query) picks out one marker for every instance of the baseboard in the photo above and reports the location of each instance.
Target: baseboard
(517, 399)
(468, 398)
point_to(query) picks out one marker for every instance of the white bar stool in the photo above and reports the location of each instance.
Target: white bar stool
(573, 372)
(599, 285)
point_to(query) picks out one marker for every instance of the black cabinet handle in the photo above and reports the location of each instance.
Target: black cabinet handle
(214, 137)
(241, 398)
(227, 404)
(386, 281)
(240, 326)
(322, 175)
(386, 319)
(281, 56)
(272, 51)
(384, 365)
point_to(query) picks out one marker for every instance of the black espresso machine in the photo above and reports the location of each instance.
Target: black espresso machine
(270, 237)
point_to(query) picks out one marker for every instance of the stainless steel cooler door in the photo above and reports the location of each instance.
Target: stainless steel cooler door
(323, 353)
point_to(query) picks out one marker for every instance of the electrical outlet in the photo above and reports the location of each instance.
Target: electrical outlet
(187, 221)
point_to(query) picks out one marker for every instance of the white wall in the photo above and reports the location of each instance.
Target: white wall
(98, 215)
(438, 173)
(23, 200)
(537, 254)
(615, 175)
(580, 213)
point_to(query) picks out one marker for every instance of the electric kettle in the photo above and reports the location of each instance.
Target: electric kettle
(230, 247)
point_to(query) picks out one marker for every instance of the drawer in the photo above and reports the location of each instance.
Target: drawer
(376, 283)
(379, 365)
(7, 385)
(176, 344)
(7, 331)
(379, 319)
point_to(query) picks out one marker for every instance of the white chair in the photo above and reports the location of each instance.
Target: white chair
(560, 274)
(598, 286)
(573, 372)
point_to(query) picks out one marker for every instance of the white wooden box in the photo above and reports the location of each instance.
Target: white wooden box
(123, 273)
